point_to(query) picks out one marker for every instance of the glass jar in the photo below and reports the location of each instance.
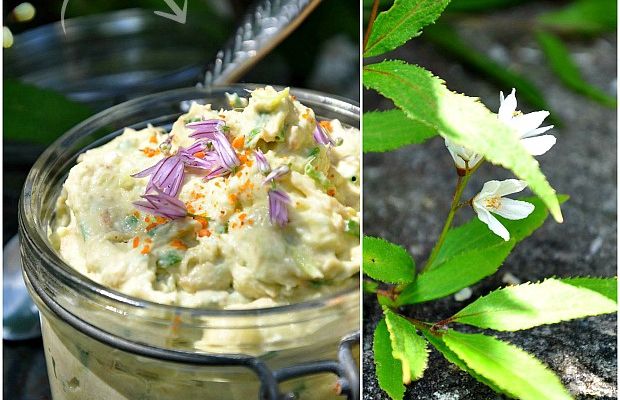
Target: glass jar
(102, 344)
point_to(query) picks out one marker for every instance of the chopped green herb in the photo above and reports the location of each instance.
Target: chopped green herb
(317, 176)
(252, 135)
(130, 222)
(222, 228)
(314, 152)
(190, 120)
(352, 228)
(169, 259)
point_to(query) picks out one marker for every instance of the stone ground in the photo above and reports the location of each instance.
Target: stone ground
(407, 194)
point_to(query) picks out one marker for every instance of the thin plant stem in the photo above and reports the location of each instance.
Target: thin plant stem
(456, 204)
(371, 21)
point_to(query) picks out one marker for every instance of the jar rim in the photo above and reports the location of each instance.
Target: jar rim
(36, 231)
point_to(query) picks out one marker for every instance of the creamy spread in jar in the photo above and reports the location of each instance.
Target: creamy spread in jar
(251, 207)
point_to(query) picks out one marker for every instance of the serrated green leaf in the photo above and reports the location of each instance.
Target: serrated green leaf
(390, 130)
(388, 369)
(525, 306)
(456, 273)
(476, 235)
(509, 368)
(369, 286)
(403, 21)
(565, 68)
(583, 16)
(608, 287)
(448, 41)
(34, 115)
(462, 119)
(387, 262)
(407, 346)
(449, 355)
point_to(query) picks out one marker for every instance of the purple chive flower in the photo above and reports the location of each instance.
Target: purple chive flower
(169, 172)
(206, 129)
(211, 131)
(276, 173)
(278, 212)
(261, 162)
(320, 136)
(225, 151)
(161, 204)
(166, 175)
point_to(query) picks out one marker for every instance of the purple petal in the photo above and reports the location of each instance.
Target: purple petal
(168, 176)
(190, 160)
(149, 170)
(225, 151)
(276, 173)
(216, 172)
(206, 129)
(320, 136)
(278, 212)
(261, 162)
(162, 204)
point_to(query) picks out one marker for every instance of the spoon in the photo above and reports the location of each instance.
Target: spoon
(264, 25)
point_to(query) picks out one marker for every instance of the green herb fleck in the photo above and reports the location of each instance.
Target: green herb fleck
(190, 120)
(314, 152)
(131, 221)
(352, 228)
(222, 228)
(169, 259)
(317, 176)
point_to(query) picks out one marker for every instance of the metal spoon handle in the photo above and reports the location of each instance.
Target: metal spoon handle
(266, 24)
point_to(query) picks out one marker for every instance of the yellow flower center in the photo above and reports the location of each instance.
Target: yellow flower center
(494, 202)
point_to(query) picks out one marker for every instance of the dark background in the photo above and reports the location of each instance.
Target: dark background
(322, 54)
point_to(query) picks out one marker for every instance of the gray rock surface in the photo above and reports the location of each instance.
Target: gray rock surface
(407, 195)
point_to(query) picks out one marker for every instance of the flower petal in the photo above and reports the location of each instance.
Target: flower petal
(488, 189)
(538, 145)
(276, 173)
(494, 225)
(507, 107)
(514, 209)
(537, 131)
(528, 122)
(510, 186)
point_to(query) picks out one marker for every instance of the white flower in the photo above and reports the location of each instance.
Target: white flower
(464, 158)
(526, 125)
(491, 200)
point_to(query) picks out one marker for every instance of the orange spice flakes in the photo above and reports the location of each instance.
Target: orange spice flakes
(238, 142)
(136, 242)
(331, 191)
(200, 154)
(247, 186)
(146, 249)
(242, 217)
(232, 198)
(204, 232)
(204, 222)
(149, 152)
(178, 244)
(327, 125)
(153, 138)
(136, 213)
